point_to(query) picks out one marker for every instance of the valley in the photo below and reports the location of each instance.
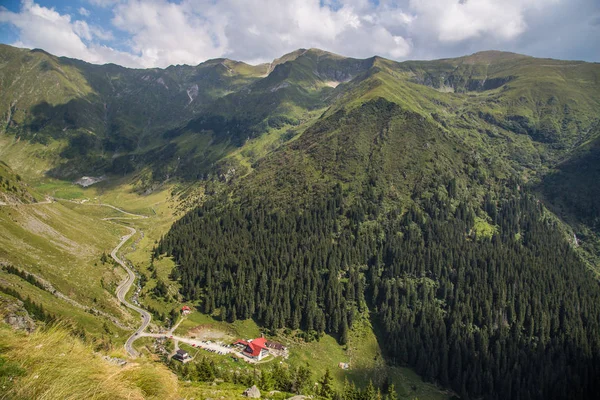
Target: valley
(93, 205)
(408, 229)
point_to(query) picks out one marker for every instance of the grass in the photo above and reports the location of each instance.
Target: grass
(240, 329)
(206, 390)
(94, 325)
(55, 365)
(63, 247)
(363, 353)
(52, 364)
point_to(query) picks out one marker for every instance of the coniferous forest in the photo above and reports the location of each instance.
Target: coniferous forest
(510, 314)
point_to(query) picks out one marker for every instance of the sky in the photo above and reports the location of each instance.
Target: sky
(159, 33)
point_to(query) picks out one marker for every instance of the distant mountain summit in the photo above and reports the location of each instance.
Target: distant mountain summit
(191, 122)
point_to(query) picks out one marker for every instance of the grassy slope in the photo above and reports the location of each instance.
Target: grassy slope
(363, 352)
(12, 188)
(571, 191)
(64, 248)
(30, 160)
(55, 83)
(87, 113)
(62, 367)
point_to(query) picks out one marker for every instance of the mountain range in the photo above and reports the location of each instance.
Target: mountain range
(452, 203)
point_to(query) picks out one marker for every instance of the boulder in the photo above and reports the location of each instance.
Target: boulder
(252, 392)
(15, 315)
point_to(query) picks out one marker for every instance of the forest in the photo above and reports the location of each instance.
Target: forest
(282, 379)
(505, 312)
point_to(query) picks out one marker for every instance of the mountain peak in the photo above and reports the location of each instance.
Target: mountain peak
(491, 56)
(312, 52)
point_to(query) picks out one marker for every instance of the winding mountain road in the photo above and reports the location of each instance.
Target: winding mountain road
(122, 290)
(124, 286)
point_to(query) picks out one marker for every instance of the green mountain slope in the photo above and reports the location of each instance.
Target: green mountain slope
(552, 101)
(331, 189)
(98, 112)
(382, 204)
(109, 119)
(13, 189)
(572, 184)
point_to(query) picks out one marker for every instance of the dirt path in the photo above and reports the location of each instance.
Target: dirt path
(47, 200)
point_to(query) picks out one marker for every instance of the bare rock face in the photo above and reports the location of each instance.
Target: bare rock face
(13, 313)
(252, 392)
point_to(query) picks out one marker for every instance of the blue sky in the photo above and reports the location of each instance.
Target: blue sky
(158, 33)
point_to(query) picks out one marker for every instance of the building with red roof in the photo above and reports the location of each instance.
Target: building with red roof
(256, 349)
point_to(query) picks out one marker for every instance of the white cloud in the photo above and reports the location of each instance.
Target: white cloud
(84, 12)
(351, 28)
(45, 28)
(87, 32)
(101, 34)
(82, 30)
(458, 20)
(104, 3)
(165, 33)
(160, 33)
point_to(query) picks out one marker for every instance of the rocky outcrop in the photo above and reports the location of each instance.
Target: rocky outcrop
(252, 393)
(13, 313)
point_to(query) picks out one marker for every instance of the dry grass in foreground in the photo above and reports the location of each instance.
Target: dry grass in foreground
(52, 364)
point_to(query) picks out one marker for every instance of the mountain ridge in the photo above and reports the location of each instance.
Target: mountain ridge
(106, 111)
(406, 195)
(292, 55)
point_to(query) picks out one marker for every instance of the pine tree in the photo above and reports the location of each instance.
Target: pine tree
(301, 379)
(267, 382)
(349, 391)
(326, 385)
(344, 331)
(391, 393)
(370, 393)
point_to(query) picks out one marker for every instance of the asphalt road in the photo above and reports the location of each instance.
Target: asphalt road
(200, 344)
(124, 287)
(122, 290)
